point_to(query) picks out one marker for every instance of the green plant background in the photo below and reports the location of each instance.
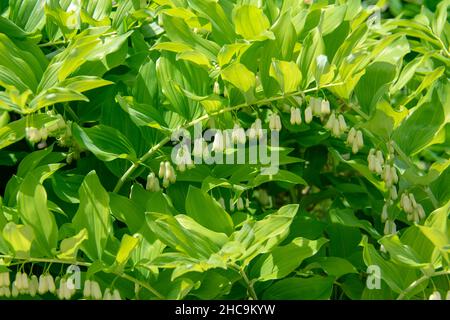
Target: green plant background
(121, 76)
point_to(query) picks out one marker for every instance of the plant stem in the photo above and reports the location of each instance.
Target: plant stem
(248, 282)
(419, 281)
(155, 148)
(44, 260)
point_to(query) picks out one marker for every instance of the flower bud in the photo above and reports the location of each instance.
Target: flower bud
(14, 290)
(231, 205)
(275, 122)
(218, 144)
(18, 281)
(116, 295)
(351, 136)
(421, 212)
(162, 170)
(258, 128)
(447, 297)
(87, 289)
(222, 202)
(296, 117)
(325, 107)
(43, 287)
(34, 284)
(384, 213)
(393, 193)
(96, 292)
(238, 135)
(51, 284)
(436, 295)
(247, 203)
(33, 134)
(336, 129)
(240, 204)
(308, 115)
(107, 294)
(342, 123)
(359, 139)
(331, 120)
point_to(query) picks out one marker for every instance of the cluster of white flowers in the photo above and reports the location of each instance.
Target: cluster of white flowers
(4, 285)
(183, 158)
(336, 124)
(219, 142)
(296, 117)
(263, 197)
(92, 291)
(114, 295)
(238, 135)
(65, 291)
(240, 205)
(275, 122)
(414, 211)
(355, 139)
(46, 284)
(317, 107)
(436, 295)
(255, 131)
(376, 161)
(167, 173)
(152, 183)
(390, 227)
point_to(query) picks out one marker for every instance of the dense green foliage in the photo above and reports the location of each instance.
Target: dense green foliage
(91, 92)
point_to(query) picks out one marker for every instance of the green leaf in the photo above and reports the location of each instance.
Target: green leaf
(285, 259)
(19, 237)
(287, 74)
(412, 136)
(106, 143)
(69, 247)
(93, 214)
(333, 266)
(314, 288)
(84, 83)
(402, 253)
(313, 46)
(127, 245)
(239, 76)
(251, 23)
(33, 210)
(261, 236)
(440, 19)
(374, 84)
(53, 96)
(208, 212)
(184, 234)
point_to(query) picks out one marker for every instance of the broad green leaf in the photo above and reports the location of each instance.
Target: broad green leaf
(314, 288)
(285, 259)
(195, 241)
(287, 74)
(33, 210)
(313, 46)
(19, 237)
(94, 215)
(68, 248)
(401, 253)
(53, 96)
(251, 23)
(208, 212)
(374, 84)
(127, 245)
(239, 76)
(333, 266)
(105, 142)
(84, 83)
